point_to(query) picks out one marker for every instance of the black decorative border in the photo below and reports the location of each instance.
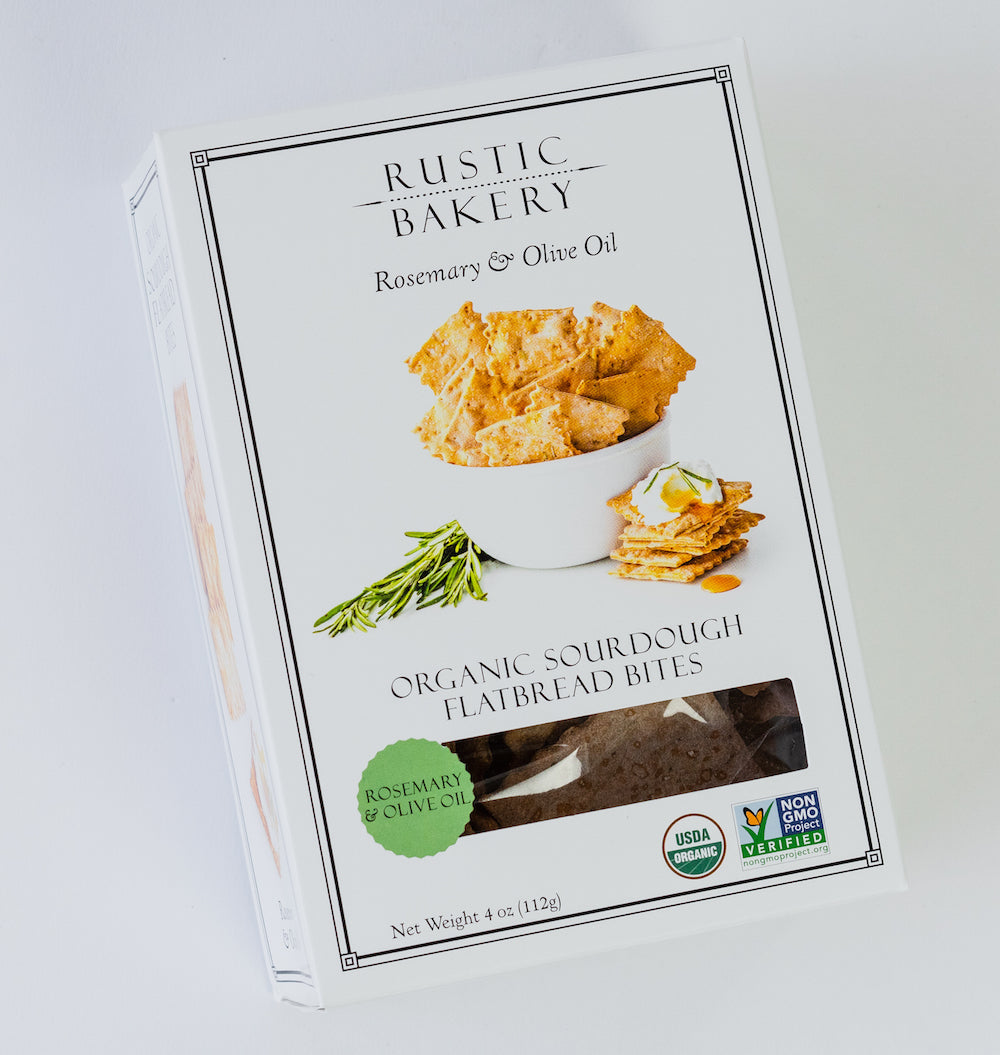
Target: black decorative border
(201, 162)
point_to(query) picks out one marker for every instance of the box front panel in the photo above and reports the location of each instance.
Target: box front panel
(614, 744)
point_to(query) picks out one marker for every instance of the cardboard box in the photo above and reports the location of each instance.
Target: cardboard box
(564, 760)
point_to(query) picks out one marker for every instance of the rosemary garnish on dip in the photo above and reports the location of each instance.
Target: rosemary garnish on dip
(689, 476)
(446, 566)
(686, 474)
(661, 469)
(670, 490)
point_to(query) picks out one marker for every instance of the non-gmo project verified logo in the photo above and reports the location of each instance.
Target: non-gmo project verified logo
(779, 830)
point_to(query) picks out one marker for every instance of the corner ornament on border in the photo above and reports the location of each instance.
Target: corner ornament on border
(199, 159)
(722, 74)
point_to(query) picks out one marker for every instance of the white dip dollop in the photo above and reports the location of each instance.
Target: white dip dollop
(670, 489)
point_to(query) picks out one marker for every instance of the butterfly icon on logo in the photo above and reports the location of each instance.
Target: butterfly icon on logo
(756, 819)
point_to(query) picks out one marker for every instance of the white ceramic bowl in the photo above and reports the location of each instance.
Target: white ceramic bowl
(553, 514)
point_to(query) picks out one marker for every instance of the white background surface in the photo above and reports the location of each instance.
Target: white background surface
(126, 921)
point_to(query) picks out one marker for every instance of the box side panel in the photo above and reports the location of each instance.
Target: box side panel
(268, 858)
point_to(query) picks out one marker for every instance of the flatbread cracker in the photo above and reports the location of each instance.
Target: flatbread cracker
(727, 530)
(643, 393)
(674, 553)
(639, 342)
(479, 404)
(593, 331)
(562, 378)
(660, 534)
(732, 527)
(686, 572)
(660, 558)
(448, 346)
(592, 424)
(435, 424)
(737, 522)
(523, 344)
(734, 494)
(539, 436)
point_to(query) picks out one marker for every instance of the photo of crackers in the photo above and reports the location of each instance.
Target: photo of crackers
(515, 387)
(684, 548)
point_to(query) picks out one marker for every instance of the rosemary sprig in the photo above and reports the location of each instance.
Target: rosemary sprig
(444, 567)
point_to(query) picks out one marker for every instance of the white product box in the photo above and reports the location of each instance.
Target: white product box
(585, 752)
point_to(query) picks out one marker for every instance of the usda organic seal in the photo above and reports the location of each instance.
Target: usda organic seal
(694, 846)
(415, 798)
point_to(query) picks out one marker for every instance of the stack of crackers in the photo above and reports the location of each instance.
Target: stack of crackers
(530, 386)
(682, 549)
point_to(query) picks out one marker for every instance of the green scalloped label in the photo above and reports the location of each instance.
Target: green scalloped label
(415, 798)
